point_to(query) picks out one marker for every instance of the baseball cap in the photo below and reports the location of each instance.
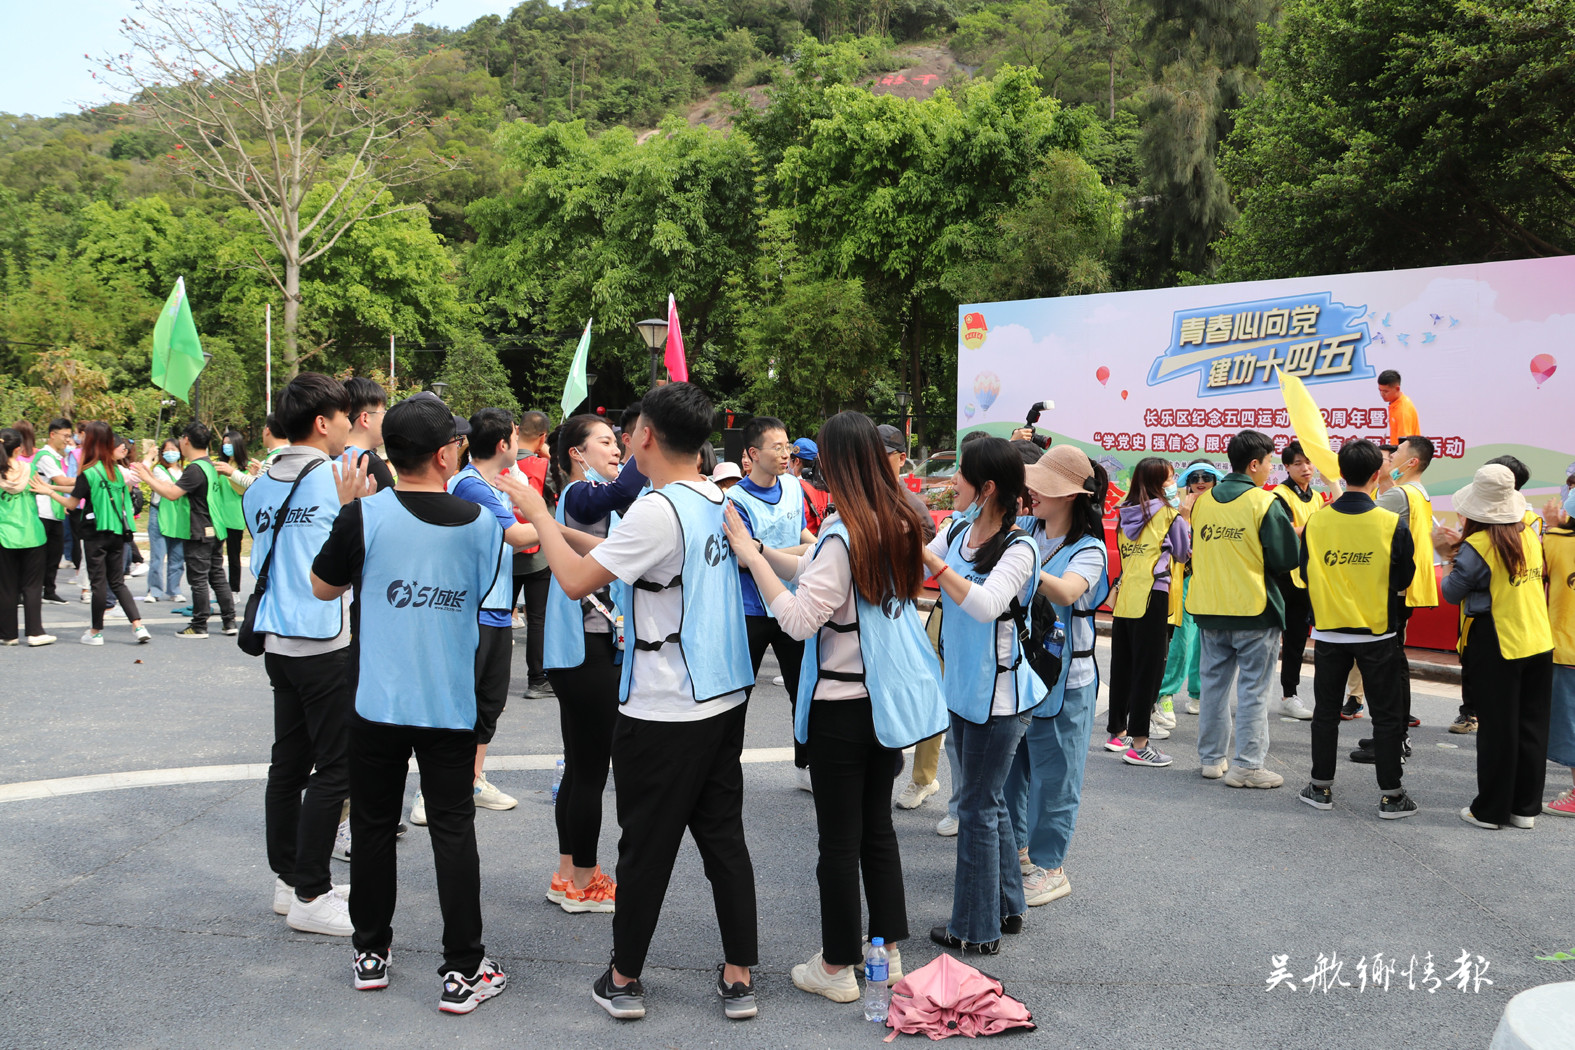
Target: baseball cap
(725, 470)
(806, 449)
(892, 438)
(419, 426)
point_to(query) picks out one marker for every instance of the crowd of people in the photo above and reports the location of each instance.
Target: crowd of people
(655, 578)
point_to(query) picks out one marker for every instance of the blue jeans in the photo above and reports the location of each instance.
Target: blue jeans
(1251, 654)
(989, 884)
(1045, 783)
(160, 550)
(956, 764)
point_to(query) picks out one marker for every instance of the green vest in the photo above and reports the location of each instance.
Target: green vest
(109, 501)
(20, 528)
(224, 503)
(219, 530)
(175, 514)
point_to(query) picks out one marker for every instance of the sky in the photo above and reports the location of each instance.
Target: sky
(42, 70)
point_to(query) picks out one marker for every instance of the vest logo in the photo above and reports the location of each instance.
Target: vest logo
(1131, 548)
(1222, 532)
(891, 608)
(264, 520)
(716, 549)
(1569, 581)
(297, 516)
(1334, 557)
(1520, 579)
(418, 596)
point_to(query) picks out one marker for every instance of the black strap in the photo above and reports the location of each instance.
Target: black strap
(1089, 613)
(651, 647)
(840, 628)
(1082, 654)
(647, 585)
(841, 676)
(278, 523)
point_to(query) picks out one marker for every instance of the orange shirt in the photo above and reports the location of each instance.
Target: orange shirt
(1402, 419)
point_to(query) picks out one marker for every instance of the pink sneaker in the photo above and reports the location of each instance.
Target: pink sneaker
(1118, 743)
(1563, 806)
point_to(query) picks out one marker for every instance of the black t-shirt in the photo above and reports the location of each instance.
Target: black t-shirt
(377, 469)
(344, 553)
(194, 483)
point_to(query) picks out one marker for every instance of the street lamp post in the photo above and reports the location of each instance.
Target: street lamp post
(654, 331)
(439, 388)
(904, 399)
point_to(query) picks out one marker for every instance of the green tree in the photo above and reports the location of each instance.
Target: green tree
(476, 378)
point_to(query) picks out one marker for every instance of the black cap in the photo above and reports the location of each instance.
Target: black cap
(892, 438)
(419, 426)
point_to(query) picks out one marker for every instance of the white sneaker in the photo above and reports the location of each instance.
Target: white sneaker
(175, 599)
(87, 596)
(913, 795)
(143, 637)
(1242, 777)
(418, 811)
(804, 783)
(947, 827)
(139, 569)
(327, 914)
(489, 797)
(1161, 717)
(1292, 707)
(1158, 732)
(1192, 705)
(342, 842)
(36, 640)
(283, 893)
(1524, 823)
(1041, 887)
(153, 598)
(92, 637)
(839, 987)
(777, 680)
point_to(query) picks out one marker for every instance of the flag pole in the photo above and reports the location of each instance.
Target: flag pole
(390, 359)
(268, 350)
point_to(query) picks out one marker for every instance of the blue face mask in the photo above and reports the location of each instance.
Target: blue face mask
(971, 513)
(171, 456)
(1171, 496)
(228, 449)
(1395, 474)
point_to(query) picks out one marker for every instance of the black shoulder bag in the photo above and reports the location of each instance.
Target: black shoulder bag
(250, 641)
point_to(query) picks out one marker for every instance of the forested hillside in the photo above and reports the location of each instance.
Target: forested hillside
(819, 182)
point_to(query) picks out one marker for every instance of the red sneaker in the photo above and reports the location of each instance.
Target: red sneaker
(557, 887)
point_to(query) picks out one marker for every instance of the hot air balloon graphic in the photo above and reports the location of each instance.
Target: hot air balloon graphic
(986, 387)
(969, 410)
(1102, 374)
(974, 331)
(1123, 395)
(1542, 368)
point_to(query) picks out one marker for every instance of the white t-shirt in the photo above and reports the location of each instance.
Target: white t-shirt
(648, 545)
(1089, 563)
(48, 464)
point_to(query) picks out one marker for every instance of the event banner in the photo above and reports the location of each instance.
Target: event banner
(1174, 372)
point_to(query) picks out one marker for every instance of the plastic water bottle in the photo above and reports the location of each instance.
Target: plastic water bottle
(1055, 641)
(557, 780)
(877, 997)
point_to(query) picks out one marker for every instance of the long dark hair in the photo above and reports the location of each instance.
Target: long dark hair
(886, 562)
(1088, 508)
(10, 441)
(1148, 483)
(98, 446)
(29, 437)
(237, 442)
(983, 461)
(1506, 542)
(571, 433)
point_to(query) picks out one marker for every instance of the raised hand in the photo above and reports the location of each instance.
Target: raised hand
(351, 480)
(523, 494)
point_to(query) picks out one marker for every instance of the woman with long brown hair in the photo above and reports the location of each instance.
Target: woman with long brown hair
(1506, 645)
(106, 522)
(21, 545)
(868, 688)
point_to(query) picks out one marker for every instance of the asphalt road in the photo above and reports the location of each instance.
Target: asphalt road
(141, 918)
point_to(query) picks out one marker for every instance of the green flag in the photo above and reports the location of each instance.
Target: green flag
(575, 388)
(177, 352)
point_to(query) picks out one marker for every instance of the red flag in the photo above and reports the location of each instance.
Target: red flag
(677, 367)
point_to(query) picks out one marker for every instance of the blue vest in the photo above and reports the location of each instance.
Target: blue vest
(711, 633)
(901, 674)
(970, 651)
(420, 590)
(1069, 617)
(564, 632)
(778, 525)
(501, 597)
(288, 608)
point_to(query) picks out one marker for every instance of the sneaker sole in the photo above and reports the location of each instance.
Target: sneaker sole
(1398, 814)
(826, 993)
(372, 985)
(555, 897)
(1063, 890)
(924, 793)
(1550, 811)
(622, 1013)
(315, 928)
(736, 1011)
(1315, 804)
(1463, 731)
(1114, 750)
(499, 805)
(588, 907)
(1244, 784)
(1141, 762)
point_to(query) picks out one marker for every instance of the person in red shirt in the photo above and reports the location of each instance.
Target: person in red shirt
(1402, 413)
(530, 567)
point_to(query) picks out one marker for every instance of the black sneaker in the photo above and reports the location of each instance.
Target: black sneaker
(463, 994)
(1012, 924)
(738, 998)
(1353, 708)
(193, 632)
(942, 936)
(1393, 807)
(541, 689)
(1366, 744)
(626, 1002)
(1365, 755)
(1317, 797)
(55, 599)
(371, 970)
(230, 629)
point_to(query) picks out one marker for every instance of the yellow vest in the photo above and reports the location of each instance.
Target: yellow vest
(1533, 519)
(1348, 569)
(1178, 580)
(1301, 513)
(1227, 555)
(1520, 607)
(1137, 564)
(1423, 592)
(1558, 550)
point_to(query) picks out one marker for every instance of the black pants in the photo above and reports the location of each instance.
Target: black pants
(673, 775)
(765, 632)
(309, 772)
(534, 584)
(232, 547)
(106, 573)
(74, 541)
(379, 760)
(1137, 666)
(205, 569)
(494, 663)
(1513, 700)
(21, 573)
(852, 773)
(54, 547)
(1293, 640)
(1403, 668)
(587, 714)
(1378, 662)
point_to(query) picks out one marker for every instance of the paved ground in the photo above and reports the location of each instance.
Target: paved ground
(140, 918)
